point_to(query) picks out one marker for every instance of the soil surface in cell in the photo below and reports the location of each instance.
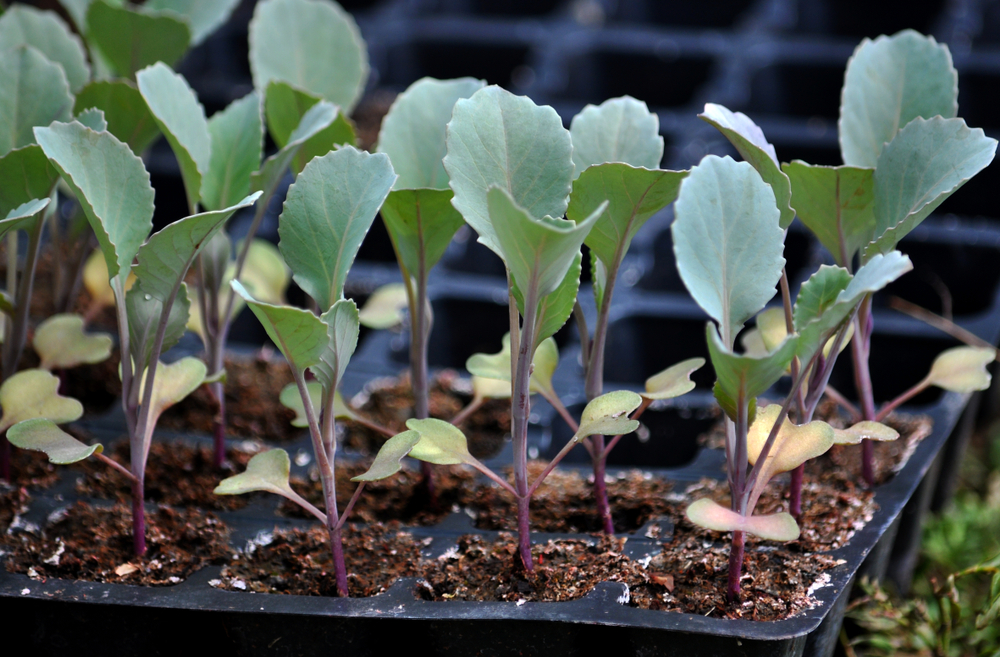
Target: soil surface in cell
(95, 544)
(12, 502)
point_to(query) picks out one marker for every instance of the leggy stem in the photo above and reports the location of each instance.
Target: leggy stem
(471, 408)
(520, 410)
(735, 567)
(860, 347)
(115, 465)
(902, 399)
(138, 516)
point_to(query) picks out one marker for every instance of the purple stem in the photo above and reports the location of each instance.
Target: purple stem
(795, 492)
(219, 425)
(524, 534)
(138, 517)
(600, 487)
(520, 410)
(735, 567)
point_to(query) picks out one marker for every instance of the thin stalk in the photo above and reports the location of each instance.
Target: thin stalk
(567, 448)
(469, 409)
(736, 547)
(902, 399)
(520, 410)
(635, 416)
(941, 323)
(581, 328)
(116, 465)
(138, 516)
(860, 348)
(350, 505)
(371, 425)
(736, 551)
(419, 338)
(562, 410)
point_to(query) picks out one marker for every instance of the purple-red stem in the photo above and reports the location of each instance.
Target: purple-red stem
(138, 517)
(519, 412)
(600, 487)
(219, 425)
(735, 567)
(795, 492)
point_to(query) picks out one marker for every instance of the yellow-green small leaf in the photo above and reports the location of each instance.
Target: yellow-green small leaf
(384, 308)
(440, 443)
(32, 394)
(387, 461)
(43, 435)
(793, 446)
(497, 366)
(290, 398)
(608, 415)
(61, 343)
(962, 369)
(775, 527)
(267, 471)
(673, 381)
(868, 430)
(173, 383)
(487, 388)
(772, 327)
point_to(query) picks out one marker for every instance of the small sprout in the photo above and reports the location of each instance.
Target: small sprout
(868, 430)
(384, 308)
(673, 381)
(608, 415)
(291, 399)
(32, 394)
(267, 471)
(488, 388)
(775, 527)
(42, 435)
(389, 458)
(962, 369)
(497, 366)
(61, 342)
(172, 384)
(793, 446)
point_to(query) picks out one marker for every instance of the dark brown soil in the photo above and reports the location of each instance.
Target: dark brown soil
(252, 407)
(12, 502)
(32, 469)
(369, 114)
(95, 544)
(300, 562)
(176, 474)
(389, 403)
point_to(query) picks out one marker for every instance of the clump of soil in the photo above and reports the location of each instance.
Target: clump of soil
(300, 562)
(389, 403)
(401, 497)
(13, 501)
(253, 386)
(368, 116)
(95, 544)
(176, 474)
(32, 469)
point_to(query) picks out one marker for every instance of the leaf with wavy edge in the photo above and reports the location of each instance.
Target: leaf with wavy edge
(43, 435)
(710, 515)
(125, 111)
(286, 106)
(389, 459)
(33, 92)
(673, 381)
(608, 415)
(144, 312)
(962, 369)
(316, 119)
(28, 177)
(618, 130)
(421, 223)
(46, 31)
(237, 140)
(300, 335)
(204, 16)
(745, 376)
(342, 330)
(32, 394)
(23, 216)
(555, 307)
(61, 343)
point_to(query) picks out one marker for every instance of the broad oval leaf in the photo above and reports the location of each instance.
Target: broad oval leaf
(182, 120)
(171, 384)
(316, 120)
(61, 343)
(32, 394)
(421, 223)
(237, 145)
(300, 335)
(555, 307)
(924, 165)
(775, 527)
(745, 376)
(608, 415)
(441, 443)
(286, 107)
(962, 369)
(889, 82)
(267, 471)
(204, 16)
(125, 111)
(385, 308)
(342, 330)
(727, 241)
(46, 31)
(144, 312)
(497, 138)
(618, 130)
(414, 130)
(291, 398)
(793, 446)
(867, 430)
(110, 183)
(132, 37)
(33, 92)
(43, 435)
(749, 140)
(673, 381)
(312, 44)
(27, 176)
(327, 214)
(389, 459)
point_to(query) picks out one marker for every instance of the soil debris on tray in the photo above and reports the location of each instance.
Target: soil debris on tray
(389, 403)
(32, 469)
(95, 544)
(253, 386)
(299, 562)
(13, 502)
(176, 474)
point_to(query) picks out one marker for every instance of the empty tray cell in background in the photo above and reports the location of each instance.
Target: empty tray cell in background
(666, 438)
(377, 245)
(639, 346)
(864, 18)
(800, 89)
(722, 14)
(511, 8)
(466, 255)
(495, 62)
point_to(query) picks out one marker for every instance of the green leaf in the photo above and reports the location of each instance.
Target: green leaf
(749, 141)
(237, 135)
(497, 138)
(144, 312)
(598, 278)
(420, 220)
(497, 367)
(286, 106)
(889, 82)
(171, 384)
(441, 443)
(43, 435)
(962, 369)
(619, 130)
(327, 214)
(28, 176)
(267, 471)
(925, 164)
(315, 121)
(93, 118)
(291, 398)
(414, 130)
(633, 196)
(133, 37)
(673, 381)
(608, 415)
(77, 10)
(557, 306)
(46, 31)
(32, 394)
(61, 343)
(819, 294)
(538, 252)
(204, 16)
(745, 376)
(124, 109)
(342, 328)
(300, 335)
(832, 201)
(33, 92)
(774, 527)
(385, 308)
(182, 120)
(315, 46)
(23, 216)
(110, 183)
(727, 241)
(164, 260)
(388, 461)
